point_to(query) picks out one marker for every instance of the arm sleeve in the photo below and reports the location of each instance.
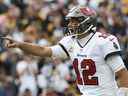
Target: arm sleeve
(62, 49)
(115, 62)
(58, 52)
(110, 47)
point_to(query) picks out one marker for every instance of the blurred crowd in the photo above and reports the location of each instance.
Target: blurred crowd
(41, 22)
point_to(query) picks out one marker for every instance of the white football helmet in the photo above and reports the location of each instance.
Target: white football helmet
(87, 20)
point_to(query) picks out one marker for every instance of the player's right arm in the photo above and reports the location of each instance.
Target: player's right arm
(35, 49)
(28, 47)
(42, 51)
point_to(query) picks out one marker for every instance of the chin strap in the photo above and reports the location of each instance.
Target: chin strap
(91, 27)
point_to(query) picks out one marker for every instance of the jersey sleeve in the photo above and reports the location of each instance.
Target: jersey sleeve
(61, 50)
(116, 63)
(110, 47)
(58, 52)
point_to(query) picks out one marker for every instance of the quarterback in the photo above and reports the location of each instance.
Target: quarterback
(95, 56)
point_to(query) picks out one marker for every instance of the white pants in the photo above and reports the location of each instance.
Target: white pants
(31, 87)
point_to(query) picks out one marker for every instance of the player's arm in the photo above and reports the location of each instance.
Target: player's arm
(111, 52)
(29, 47)
(113, 58)
(35, 49)
(122, 77)
(117, 65)
(58, 50)
(122, 81)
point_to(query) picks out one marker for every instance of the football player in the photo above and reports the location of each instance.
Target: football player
(95, 56)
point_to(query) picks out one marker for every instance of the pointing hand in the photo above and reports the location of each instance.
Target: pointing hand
(10, 43)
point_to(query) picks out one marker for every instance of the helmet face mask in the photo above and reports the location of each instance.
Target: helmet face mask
(74, 24)
(85, 17)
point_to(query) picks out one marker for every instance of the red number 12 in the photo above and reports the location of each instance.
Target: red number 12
(89, 69)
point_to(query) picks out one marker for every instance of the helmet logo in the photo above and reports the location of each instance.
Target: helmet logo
(87, 11)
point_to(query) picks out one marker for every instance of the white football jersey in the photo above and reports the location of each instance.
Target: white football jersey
(94, 76)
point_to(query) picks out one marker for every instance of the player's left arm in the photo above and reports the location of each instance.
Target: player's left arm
(122, 77)
(111, 52)
(113, 57)
(117, 65)
(122, 81)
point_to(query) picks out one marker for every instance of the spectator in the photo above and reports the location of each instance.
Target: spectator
(27, 70)
(3, 7)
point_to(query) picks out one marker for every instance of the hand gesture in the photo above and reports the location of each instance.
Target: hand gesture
(10, 43)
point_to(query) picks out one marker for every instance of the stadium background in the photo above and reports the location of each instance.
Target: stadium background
(41, 22)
